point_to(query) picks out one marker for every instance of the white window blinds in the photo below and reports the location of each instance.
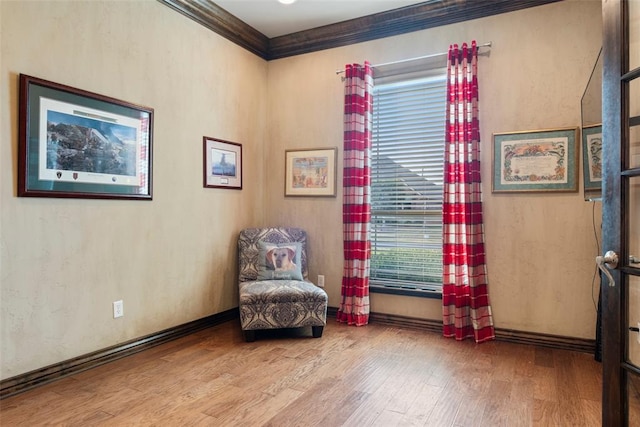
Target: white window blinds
(407, 182)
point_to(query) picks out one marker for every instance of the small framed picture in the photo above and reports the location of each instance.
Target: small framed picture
(74, 143)
(222, 164)
(310, 173)
(592, 157)
(542, 161)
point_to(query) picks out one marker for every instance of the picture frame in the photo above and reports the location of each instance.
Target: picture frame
(77, 144)
(310, 172)
(535, 161)
(222, 164)
(592, 157)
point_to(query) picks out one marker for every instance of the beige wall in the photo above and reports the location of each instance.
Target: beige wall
(172, 260)
(541, 247)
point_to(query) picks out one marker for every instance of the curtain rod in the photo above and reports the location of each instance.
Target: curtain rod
(488, 44)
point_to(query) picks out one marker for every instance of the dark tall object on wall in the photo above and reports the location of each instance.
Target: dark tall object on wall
(591, 111)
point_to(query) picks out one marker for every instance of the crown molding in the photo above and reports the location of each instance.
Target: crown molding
(392, 23)
(421, 16)
(220, 21)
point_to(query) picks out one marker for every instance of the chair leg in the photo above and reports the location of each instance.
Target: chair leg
(317, 331)
(249, 336)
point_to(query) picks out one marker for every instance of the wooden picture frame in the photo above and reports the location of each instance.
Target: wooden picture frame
(74, 143)
(535, 161)
(222, 166)
(310, 172)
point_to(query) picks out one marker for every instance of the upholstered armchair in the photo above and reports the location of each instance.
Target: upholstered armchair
(275, 291)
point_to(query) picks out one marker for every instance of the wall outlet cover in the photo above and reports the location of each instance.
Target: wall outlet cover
(118, 309)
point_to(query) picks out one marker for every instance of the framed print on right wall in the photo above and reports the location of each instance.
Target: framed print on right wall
(541, 161)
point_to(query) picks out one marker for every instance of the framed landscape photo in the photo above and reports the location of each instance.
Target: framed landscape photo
(545, 160)
(222, 164)
(74, 143)
(592, 157)
(310, 172)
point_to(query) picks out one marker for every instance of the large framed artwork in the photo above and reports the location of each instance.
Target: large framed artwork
(310, 172)
(592, 157)
(545, 160)
(222, 163)
(74, 143)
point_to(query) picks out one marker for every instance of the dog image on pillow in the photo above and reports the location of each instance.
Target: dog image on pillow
(282, 258)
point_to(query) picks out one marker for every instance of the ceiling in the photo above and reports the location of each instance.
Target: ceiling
(273, 19)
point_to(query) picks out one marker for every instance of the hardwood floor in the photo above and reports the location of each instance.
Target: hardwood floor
(368, 376)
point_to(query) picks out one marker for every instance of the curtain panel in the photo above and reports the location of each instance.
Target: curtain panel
(465, 298)
(356, 201)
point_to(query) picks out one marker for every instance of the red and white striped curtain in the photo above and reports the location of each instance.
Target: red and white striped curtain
(465, 298)
(356, 201)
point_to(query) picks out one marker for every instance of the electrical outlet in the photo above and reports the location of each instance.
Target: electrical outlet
(321, 280)
(118, 309)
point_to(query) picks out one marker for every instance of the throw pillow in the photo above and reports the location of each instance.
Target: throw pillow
(279, 261)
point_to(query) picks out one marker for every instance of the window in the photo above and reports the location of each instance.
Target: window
(407, 185)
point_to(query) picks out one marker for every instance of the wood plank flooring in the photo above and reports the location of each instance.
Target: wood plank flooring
(369, 376)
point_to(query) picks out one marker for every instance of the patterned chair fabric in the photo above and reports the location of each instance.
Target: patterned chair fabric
(274, 304)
